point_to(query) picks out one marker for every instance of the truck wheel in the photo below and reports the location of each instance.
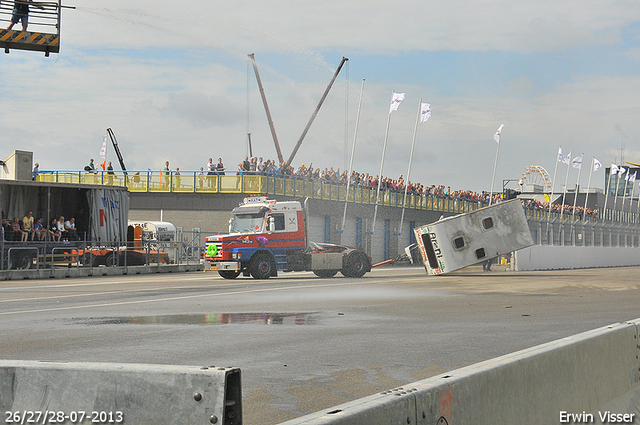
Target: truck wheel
(262, 266)
(21, 261)
(111, 260)
(229, 274)
(357, 265)
(96, 261)
(325, 273)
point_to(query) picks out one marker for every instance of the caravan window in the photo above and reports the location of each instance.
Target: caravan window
(487, 223)
(458, 242)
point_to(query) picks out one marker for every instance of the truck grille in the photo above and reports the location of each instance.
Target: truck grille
(218, 250)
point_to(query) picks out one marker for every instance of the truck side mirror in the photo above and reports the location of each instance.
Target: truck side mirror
(272, 224)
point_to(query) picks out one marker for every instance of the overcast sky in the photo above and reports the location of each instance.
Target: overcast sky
(173, 82)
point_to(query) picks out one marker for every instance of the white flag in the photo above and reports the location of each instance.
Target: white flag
(596, 164)
(632, 179)
(496, 136)
(425, 112)
(622, 171)
(577, 162)
(560, 157)
(567, 159)
(396, 100)
(614, 169)
(103, 150)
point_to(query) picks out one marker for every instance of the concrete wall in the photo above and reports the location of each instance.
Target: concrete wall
(586, 374)
(546, 257)
(119, 393)
(18, 166)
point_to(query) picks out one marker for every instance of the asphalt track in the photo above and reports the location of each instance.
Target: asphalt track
(305, 343)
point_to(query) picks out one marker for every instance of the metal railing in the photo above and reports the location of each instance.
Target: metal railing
(44, 16)
(186, 248)
(278, 185)
(570, 232)
(43, 30)
(197, 182)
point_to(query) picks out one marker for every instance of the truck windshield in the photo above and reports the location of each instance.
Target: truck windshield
(246, 223)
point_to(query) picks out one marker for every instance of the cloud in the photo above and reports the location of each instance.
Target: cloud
(201, 110)
(372, 27)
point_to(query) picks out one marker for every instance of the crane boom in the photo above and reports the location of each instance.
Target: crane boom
(115, 148)
(266, 108)
(315, 113)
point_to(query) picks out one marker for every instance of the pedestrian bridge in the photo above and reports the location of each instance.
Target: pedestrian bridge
(188, 182)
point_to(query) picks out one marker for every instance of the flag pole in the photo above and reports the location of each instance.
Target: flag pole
(495, 163)
(624, 194)
(624, 191)
(615, 198)
(566, 179)
(633, 187)
(575, 194)
(638, 212)
(353, 150)
(406, 185)
(384, 149)
(586, 197)
(553, 183)
(606, 195)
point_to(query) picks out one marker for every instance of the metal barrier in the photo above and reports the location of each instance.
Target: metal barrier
(186, 248)
(22, 258)
(43, 32)
(595, 374)
(50, 392)
(591, 233)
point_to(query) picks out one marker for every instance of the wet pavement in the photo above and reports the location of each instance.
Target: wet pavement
(305, 343)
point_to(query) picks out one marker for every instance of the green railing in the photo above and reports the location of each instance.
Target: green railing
(196, 182)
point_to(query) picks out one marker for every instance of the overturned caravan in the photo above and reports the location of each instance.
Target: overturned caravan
(466, 239)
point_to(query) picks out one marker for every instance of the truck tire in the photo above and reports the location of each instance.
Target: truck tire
(96, 260)
(111, 259)
(357, 264)
(325, 273)
(229, 274)
(20, 261)
(262, 265)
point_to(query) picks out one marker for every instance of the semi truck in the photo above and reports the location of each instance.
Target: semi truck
(267, 236)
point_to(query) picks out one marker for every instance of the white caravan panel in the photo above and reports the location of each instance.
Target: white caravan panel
(466, 239)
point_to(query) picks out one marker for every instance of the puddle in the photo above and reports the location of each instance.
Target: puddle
(206, 319)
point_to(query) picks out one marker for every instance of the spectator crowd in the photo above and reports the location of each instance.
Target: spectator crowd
(30, 229)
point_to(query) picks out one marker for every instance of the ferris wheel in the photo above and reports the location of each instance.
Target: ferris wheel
(535, 175)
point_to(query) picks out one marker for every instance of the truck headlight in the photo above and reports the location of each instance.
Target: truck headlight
(236, 255)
